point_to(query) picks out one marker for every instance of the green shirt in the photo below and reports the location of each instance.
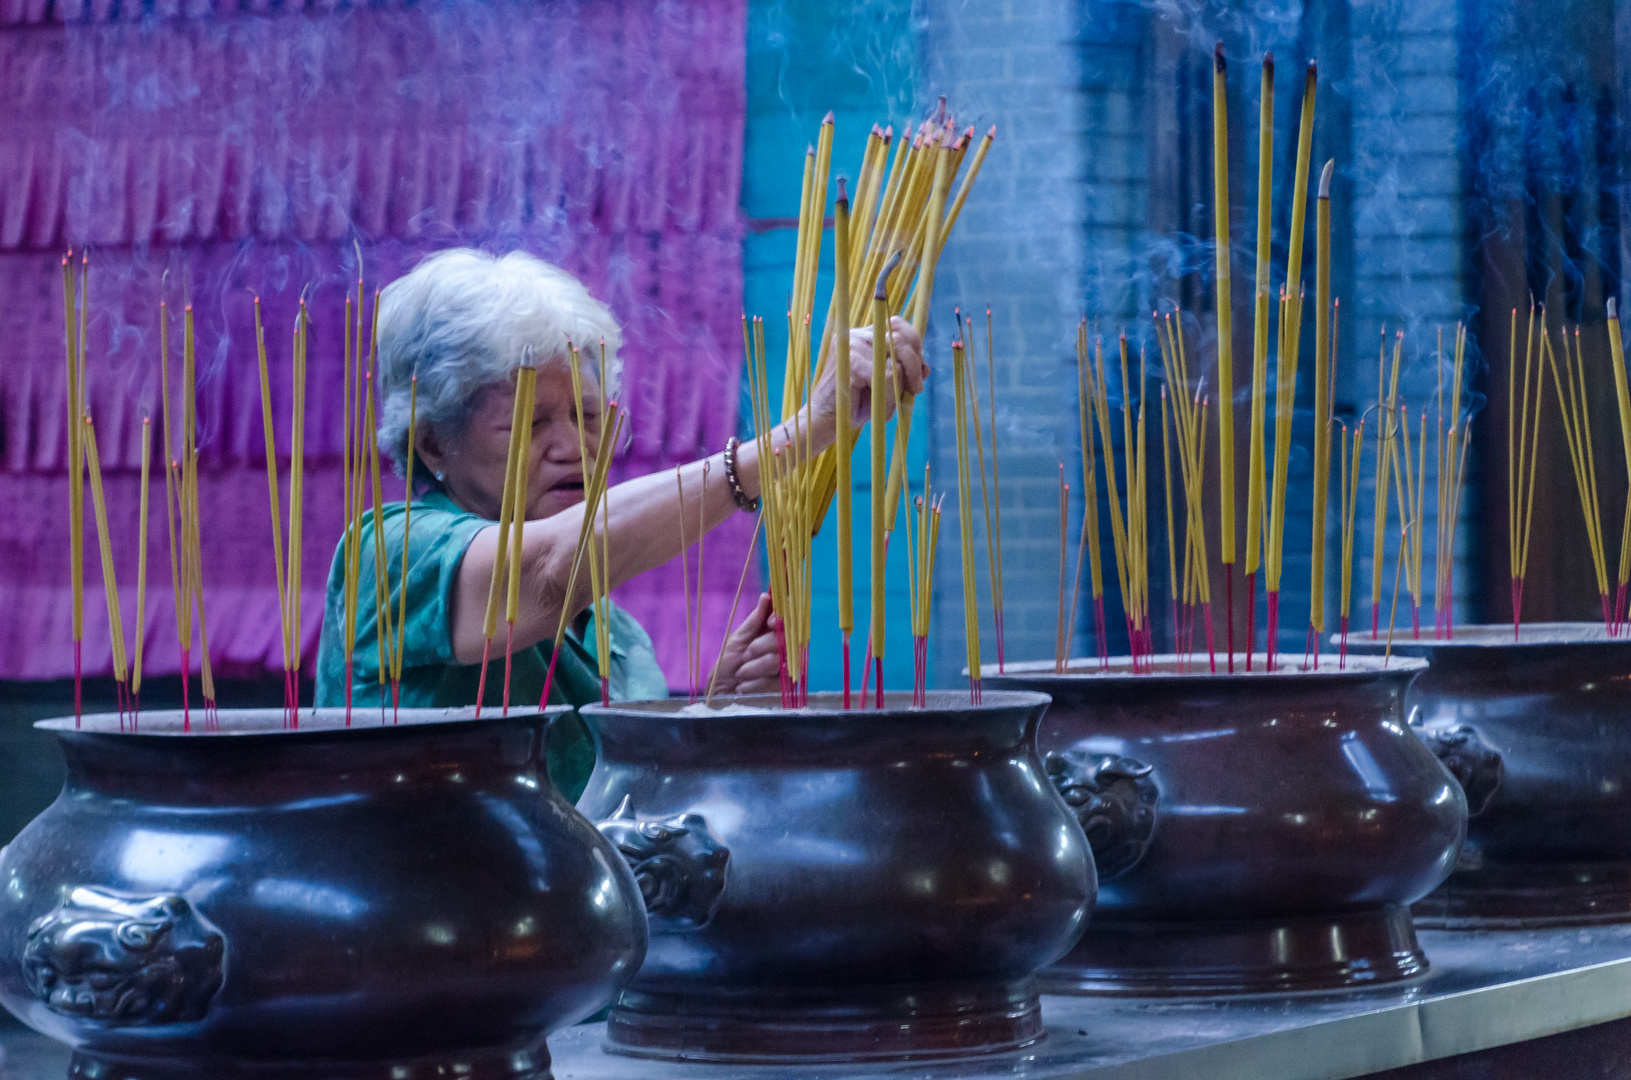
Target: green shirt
(439, 534)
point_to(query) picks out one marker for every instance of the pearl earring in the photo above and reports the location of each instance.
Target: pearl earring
(440, 477)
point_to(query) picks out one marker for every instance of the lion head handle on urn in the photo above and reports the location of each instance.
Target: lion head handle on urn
(1114, 800)
(137, 960)
(678, 863)
(1476, 765)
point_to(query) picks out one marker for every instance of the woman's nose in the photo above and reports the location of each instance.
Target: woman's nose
(561, 443)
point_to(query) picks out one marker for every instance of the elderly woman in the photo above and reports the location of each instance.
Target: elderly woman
(463, 321)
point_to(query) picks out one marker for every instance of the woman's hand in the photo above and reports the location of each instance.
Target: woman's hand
(905, 347)
(751, 662)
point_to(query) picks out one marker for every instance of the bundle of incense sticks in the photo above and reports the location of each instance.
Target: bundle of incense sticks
(1387, 406)
(962, 383)
(184, 521)
(920, 555)
(1190, 423)
(72, 314)
(1255, 476)
(110, 586)
(785, 500)
(511, 516)
(902, 213)
(1085, 391)
(1451, 454)
(1409, 489)
(1569, 382)
(288, 563)
(1523, 446)
(596, 471)
(1616, 347)
(1287, 349)
(1128, 529)
(1325, 371)
(356, 401)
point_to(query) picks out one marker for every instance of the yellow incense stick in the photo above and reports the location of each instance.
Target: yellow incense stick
(141, 559)
(269, 440)
(882, 358)
(110, 585)
(76, 455)
(1226, 370)
(1260, 337)
(961, 382)
(845, 440)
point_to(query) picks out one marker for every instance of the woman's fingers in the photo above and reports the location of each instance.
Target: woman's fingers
(755, 623)
(907, 348)
(745, 648)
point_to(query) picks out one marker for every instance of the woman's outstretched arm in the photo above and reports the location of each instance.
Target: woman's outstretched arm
(644, 515)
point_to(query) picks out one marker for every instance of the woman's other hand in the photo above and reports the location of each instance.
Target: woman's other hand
(905, 347)
(751, 663)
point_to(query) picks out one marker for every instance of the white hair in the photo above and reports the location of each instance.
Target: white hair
(463, 320)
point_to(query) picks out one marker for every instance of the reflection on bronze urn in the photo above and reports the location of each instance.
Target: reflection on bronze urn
(1538, 732)
(838, 885)
(412, 899)
(1254, 832)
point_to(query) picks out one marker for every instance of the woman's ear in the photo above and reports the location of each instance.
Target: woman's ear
(430, 450)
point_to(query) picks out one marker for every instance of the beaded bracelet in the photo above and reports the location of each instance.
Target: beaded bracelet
(737, 494)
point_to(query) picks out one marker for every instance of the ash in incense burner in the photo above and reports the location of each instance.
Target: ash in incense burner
(1538, 731)
(838, 885)
(1259, 832)
(374, 901)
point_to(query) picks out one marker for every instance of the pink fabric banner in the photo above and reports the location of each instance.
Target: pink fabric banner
(205, 152)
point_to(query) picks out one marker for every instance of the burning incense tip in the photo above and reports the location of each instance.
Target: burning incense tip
(1313, 68)
(882, 291)
(1613, 309)
(828, 118)
(1268, 63)
(843, 189)
(1325, 177)
(1218, 61)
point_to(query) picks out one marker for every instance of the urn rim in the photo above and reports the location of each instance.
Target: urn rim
(1498, 636)
(827, 706)
(1356, 668)
(271, 723)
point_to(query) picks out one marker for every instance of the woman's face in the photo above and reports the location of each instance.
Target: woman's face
(473, 467)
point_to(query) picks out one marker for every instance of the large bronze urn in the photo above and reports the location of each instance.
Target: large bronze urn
(373, 902)
(838, 885)
(1538, 732)
(1254, 832)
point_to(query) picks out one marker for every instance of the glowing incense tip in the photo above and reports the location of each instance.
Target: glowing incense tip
(1268, 64)
(1218, 62)
(843, 189)
(1325, 185)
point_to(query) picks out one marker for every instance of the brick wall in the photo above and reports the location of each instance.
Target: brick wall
(1019, 246)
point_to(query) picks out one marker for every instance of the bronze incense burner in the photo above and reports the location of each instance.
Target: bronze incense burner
(370, 902)
(1538, 731)
(1254, 832)
(831, 885)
